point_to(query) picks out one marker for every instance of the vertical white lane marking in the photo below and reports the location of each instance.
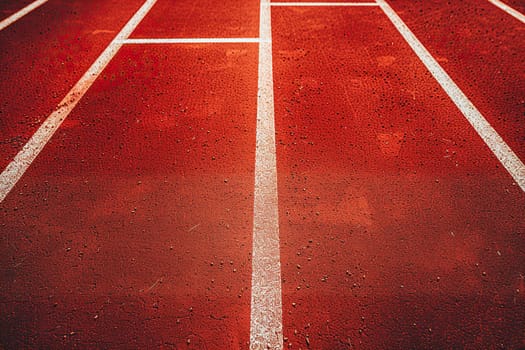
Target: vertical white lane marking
(18, 166)
(266, 329)
(514, 13)
(497, 145)
(17, 15)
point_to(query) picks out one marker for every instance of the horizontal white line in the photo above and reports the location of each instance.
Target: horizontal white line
(492, 139)
(354, 4)
(16, 16)
(189, 40)
(514, 13)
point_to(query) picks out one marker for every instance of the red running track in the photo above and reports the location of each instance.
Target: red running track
(481, 47)
(133, 228)
(43, 55)
(398, 227)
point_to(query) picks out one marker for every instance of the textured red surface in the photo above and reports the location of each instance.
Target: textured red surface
(481, 48)
(398, 227)
(133, 228)
(188, 18)
(43, 55)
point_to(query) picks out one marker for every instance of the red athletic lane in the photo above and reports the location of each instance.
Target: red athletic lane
(190, 19)
(399, 228)
(132, 229)
(44, 54)
(9, 7)
(483, 50)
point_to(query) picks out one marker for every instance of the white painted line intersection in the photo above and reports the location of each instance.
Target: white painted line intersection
(266, 328)
(23, 160)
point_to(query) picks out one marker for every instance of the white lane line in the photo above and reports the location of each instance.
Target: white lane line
(17, 15)
(514, 13)
(14, 171)
(189, 40)
(266, 328)
(355, 4)
(497, 145)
